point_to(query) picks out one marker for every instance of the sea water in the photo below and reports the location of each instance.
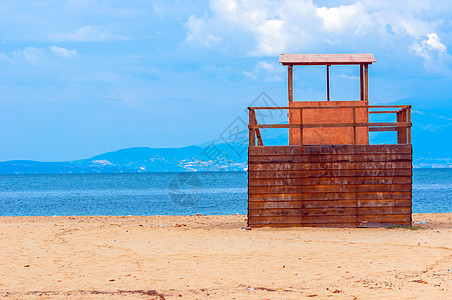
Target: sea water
(167, 193)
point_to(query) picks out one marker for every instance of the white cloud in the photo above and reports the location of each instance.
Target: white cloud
(266, 71)
(30, 54)
(338, 19)
(269, 27)
(197, 35)
(87, 33)
(63, 52)
(38, 56)
(345, 76)
(433, 52)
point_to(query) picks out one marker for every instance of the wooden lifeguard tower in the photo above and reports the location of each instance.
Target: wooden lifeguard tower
(329, 175)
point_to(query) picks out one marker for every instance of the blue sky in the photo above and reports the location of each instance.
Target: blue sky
(79, 78)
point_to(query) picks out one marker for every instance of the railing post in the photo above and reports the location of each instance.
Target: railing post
(354, 126)
(327, 82)
(399, 130)
(361, 82)
(290, 83)
(301, 126)
(366, 83)
(409, 128)
(251, 122)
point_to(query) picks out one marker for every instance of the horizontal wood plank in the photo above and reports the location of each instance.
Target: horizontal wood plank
(330, 196)
(313, 204)
(329, 225)
(339, 188)
(331, 212)
(330, 149)
(255, 182)
(383, 157)
(329, 173)
(329, 166)
(329, 219)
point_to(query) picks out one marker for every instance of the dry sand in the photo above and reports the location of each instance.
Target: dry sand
(198, 257)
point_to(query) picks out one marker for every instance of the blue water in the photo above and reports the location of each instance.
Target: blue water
(167, 193)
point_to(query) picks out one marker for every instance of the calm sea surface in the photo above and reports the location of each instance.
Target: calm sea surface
(167, 193)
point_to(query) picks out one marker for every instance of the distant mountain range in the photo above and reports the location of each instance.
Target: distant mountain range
(139, 159)
(431, 138)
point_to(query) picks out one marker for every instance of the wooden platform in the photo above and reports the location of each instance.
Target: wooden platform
(329, 185)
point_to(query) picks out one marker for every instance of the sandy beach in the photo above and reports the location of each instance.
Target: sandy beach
(212, 257)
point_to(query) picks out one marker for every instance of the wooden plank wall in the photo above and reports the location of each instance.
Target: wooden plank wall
(329, 186)
(329, 135)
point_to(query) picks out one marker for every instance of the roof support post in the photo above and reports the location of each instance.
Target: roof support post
(327, 82)
(366, 83)
(290, 82)
(361, 82)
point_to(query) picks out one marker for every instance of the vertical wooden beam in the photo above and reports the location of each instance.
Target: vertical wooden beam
(354, 126)
(251, 121)
(409, 128)
(301, 126)
(399, 130)
(361, 82)
(366, 83)
(405, 129)
(290, 83)
(327, 82)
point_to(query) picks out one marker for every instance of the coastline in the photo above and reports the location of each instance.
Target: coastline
(147, 257)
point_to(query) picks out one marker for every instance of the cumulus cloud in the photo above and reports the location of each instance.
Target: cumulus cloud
(269, 27)
(38, 56)
(433, 52)
(30, 54)
(198, 35)
(62, 51)
(266, 71)
(87, 33)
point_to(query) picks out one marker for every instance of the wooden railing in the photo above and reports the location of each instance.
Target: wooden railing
(402, 126)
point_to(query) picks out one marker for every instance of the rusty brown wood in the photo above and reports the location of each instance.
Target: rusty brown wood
(259, 138)
(330, 107)
(330, 158)
(333, 185)
(327, 59)
(404, 130)
(301, 126)
(290, 83)
(331, 149)
(366, 83)
(361, 82)
(329, 196)
(329, 173)
(256, 182)
(315, 204)
(337, 219)
(251, 122)
(354, 126)
(332, 188)
(331, 125)
(409, 128)
(382, 112)
(323, 212)
(327, 82)
(329, 166)
(385, 128)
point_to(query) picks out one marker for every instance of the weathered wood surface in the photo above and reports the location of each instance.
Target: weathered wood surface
(331, 186)
(331, 149)
(321, 125)
(327, 59)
